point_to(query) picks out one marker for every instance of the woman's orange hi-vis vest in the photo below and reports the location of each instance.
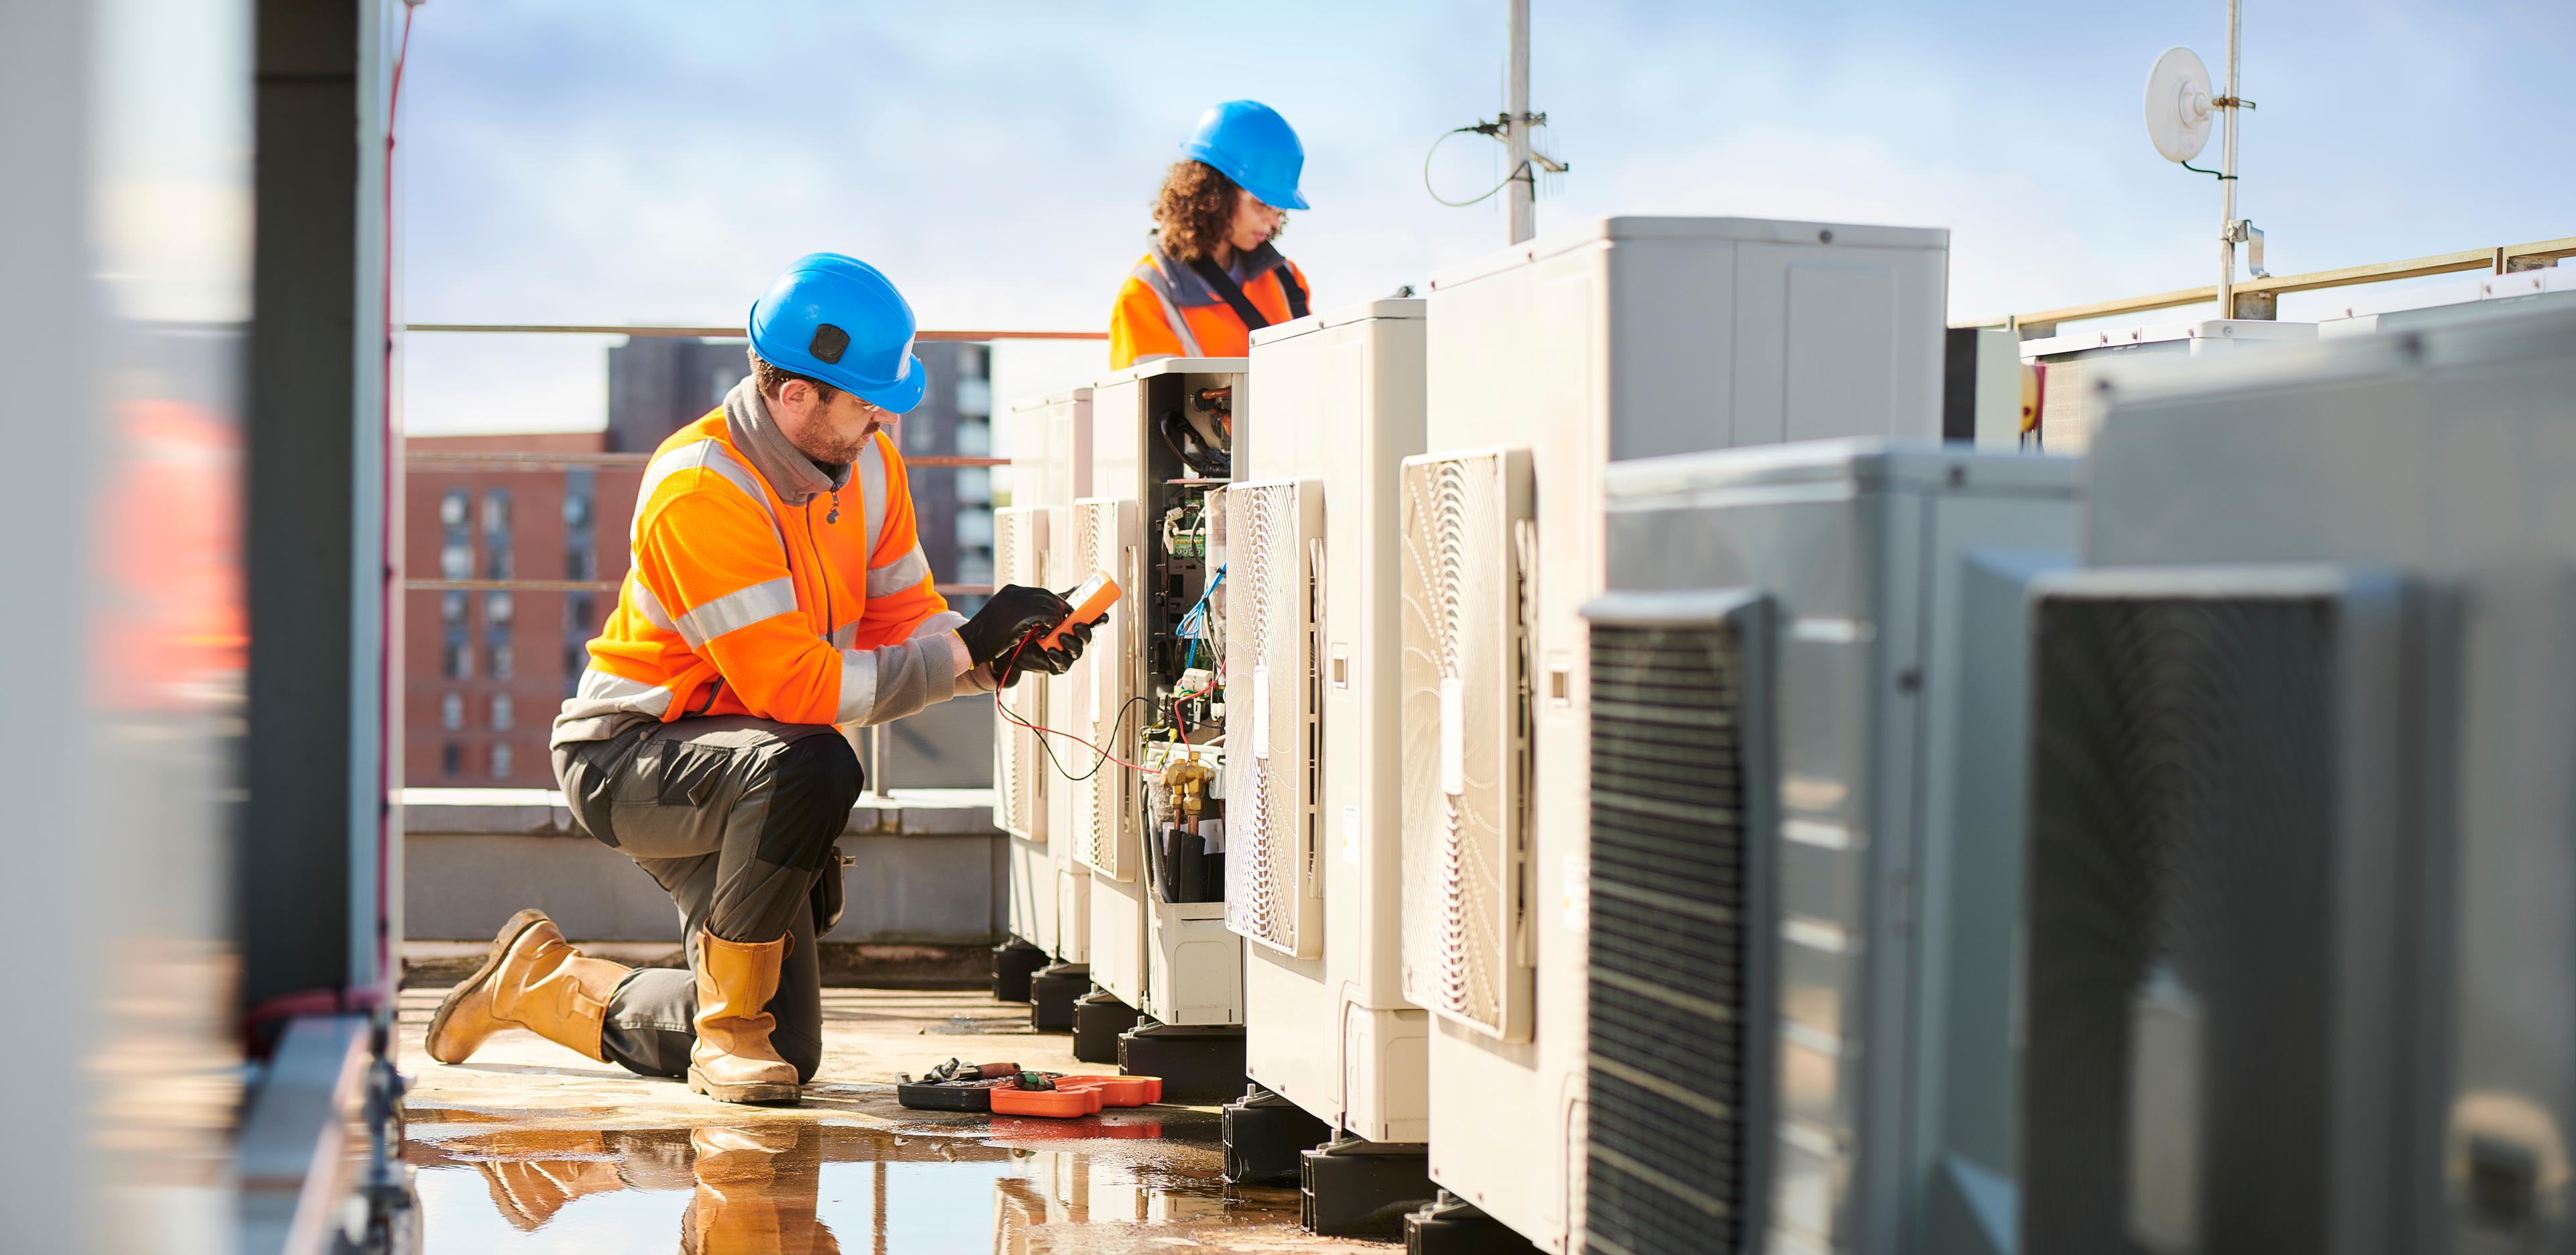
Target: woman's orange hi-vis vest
(1162, 314)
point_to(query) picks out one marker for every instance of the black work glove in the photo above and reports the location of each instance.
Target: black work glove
(1009, 615)
(1007, 669)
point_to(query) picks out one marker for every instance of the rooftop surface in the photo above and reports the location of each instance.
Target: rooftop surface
(529, 1147)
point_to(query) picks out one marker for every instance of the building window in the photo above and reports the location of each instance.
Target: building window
(455, 544)
(496, 534)
(497, 607)
(581, 545)
(500, 760)
(451, 607)
(458, 658)
(451, 760)
(504, 663)
(451, 711)
(502, 712)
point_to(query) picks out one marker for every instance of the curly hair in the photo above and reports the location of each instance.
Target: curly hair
(1195, 210)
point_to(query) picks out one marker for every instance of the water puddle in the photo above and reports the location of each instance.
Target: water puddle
(784, 1186)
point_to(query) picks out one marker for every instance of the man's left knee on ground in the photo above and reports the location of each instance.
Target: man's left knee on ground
(813, 784)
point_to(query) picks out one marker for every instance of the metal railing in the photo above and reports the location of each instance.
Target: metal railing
(2258, 298)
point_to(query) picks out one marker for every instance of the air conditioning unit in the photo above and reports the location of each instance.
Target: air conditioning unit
(2441, 459)
(1683, 812)
(2220, 863)
(1312, 673)
(1807, 755)
(2069, 367)
(1168, 435)
(1624, 338)
(1049, 889)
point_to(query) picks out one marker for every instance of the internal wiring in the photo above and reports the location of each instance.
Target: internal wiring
(1105, 756)
(1124, 710)
(1180, 725)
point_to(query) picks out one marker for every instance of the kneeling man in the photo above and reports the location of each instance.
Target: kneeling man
(776, 594)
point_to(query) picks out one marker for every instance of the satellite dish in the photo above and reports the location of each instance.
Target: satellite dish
(2178, 109)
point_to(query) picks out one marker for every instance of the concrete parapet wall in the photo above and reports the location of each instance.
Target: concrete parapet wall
(929, 870)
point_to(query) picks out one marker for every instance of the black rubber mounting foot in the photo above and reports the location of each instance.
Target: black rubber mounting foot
(1098, 1018)
(1052, 991)
(1450, 1227)
(1264, 1134)
(1199, 1063)
(1354, 1189)
(1013, 962)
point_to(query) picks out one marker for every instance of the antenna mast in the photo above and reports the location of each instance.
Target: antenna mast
(1522, 189)
(2229, 229)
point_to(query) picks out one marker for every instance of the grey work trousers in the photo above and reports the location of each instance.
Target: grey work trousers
(735, 818)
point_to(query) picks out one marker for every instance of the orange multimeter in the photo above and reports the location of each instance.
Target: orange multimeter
(1090, 603)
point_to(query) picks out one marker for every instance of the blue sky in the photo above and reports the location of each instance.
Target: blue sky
(660, 161)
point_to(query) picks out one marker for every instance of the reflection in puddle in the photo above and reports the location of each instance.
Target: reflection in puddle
(801, 1188)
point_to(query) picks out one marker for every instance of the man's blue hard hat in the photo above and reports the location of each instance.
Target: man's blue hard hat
(1248, 142)
(837, 319)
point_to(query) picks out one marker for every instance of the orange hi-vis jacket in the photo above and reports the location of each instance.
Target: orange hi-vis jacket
(739, 601)
(1166, 310)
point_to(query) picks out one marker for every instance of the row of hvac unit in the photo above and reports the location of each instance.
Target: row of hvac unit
(1411, 525)
(1854, 844)
(2191, 871)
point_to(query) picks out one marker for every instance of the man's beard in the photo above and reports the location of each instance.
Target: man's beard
(845, 454)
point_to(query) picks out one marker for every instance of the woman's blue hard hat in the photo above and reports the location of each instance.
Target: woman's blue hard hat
(1248, 142)
(840, 320)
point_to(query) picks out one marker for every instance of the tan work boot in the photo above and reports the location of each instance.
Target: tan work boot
(733, 1060)
(535, 980)
(758, 1190)
(534, 1173)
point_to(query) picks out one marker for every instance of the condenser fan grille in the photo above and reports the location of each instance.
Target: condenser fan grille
(1464, 724)
(1019, 778)
(1667, 1124)
(1100, 798)
(2182, 846)
(1269, 664)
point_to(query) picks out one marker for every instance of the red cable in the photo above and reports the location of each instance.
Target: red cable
(389, 596)
(1005, 712)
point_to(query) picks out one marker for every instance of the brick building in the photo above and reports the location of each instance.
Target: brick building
(486, 670)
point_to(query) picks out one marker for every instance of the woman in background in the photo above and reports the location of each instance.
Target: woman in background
(1211, 276)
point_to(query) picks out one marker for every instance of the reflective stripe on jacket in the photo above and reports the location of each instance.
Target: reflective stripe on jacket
(1164, 310)
(737, 603)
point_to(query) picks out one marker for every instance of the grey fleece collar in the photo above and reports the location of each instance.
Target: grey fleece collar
(790, 473)
(1189, 289)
